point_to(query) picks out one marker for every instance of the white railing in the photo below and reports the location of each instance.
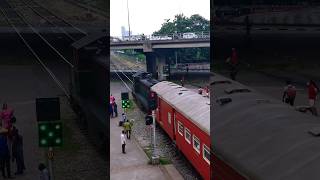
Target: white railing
(159, 37)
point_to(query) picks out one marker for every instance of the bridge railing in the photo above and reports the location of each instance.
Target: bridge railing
(159, 37)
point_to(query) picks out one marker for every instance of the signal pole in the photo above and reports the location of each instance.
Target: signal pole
(50, 163)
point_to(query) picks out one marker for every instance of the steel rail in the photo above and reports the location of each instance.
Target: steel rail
(35, 31)
(62, 19)
(45, 18)
(55, 79)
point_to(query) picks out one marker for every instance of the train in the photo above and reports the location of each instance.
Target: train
(88, 87)
(142, 82)
(183, 114)
(255, 136)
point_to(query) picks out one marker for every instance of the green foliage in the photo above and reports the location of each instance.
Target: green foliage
(183, 24)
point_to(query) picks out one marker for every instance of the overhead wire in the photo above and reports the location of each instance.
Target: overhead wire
(35, 54)
(54, 49)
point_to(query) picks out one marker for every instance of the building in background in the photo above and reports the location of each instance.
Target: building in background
(124, 32)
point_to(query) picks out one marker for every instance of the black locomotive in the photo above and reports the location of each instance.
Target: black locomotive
(142, 82)
(88, 87)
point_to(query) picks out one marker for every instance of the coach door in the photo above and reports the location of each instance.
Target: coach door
(174, 125)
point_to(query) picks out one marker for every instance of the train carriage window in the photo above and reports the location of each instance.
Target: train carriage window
(206, 154)
(180, 128)
(187, 135)
(196, 144)
(169, 117)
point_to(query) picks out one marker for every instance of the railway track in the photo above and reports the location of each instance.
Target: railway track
(14, 18)
(48, 18)
(82, 5)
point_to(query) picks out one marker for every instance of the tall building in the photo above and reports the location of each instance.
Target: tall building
(124, 32)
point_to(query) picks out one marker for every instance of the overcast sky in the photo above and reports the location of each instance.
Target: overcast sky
(146, 16)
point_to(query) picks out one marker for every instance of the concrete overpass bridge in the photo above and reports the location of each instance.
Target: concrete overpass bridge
(156, 49)
(150, 46)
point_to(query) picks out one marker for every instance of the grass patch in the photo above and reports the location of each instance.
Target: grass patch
(165, 161)
(162, 160)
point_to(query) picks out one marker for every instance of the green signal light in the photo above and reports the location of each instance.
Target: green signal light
(50, 134)
(43, 141)
(58, 141)
(43, 127)
(58, 126)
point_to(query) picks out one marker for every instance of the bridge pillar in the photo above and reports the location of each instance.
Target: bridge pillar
(161, 62)
(151, 63)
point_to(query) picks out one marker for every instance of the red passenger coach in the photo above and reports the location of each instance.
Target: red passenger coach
(185, 116)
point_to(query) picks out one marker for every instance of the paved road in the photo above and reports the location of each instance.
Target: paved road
(134, 164)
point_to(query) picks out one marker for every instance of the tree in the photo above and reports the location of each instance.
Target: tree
(183, 24)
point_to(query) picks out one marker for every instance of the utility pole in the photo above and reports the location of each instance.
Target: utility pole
(154, 132)
(128, 19)
(155, 157)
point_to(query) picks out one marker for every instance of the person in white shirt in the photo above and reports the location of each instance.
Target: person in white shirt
(123, 142)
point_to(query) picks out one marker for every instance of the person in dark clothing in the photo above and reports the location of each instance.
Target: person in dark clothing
(110, 111)
(232, 61)
(115, 109)
(44, 173)
(4, 156)
(289, 94)
(17, 151)
(182, 81)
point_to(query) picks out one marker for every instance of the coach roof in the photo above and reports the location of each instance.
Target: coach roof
(192, 105)
(261, 137)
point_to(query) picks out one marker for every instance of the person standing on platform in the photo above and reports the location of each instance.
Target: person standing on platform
(312, 95)
(6, 115)
(182, 81)
(44, 173)
(123, 142)
(127, 128)
(110, 111)
(4, 154)
(112, 99)
(123, 119)
(115, 109)
(289, 94)
(233, 64)
(17, 151)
